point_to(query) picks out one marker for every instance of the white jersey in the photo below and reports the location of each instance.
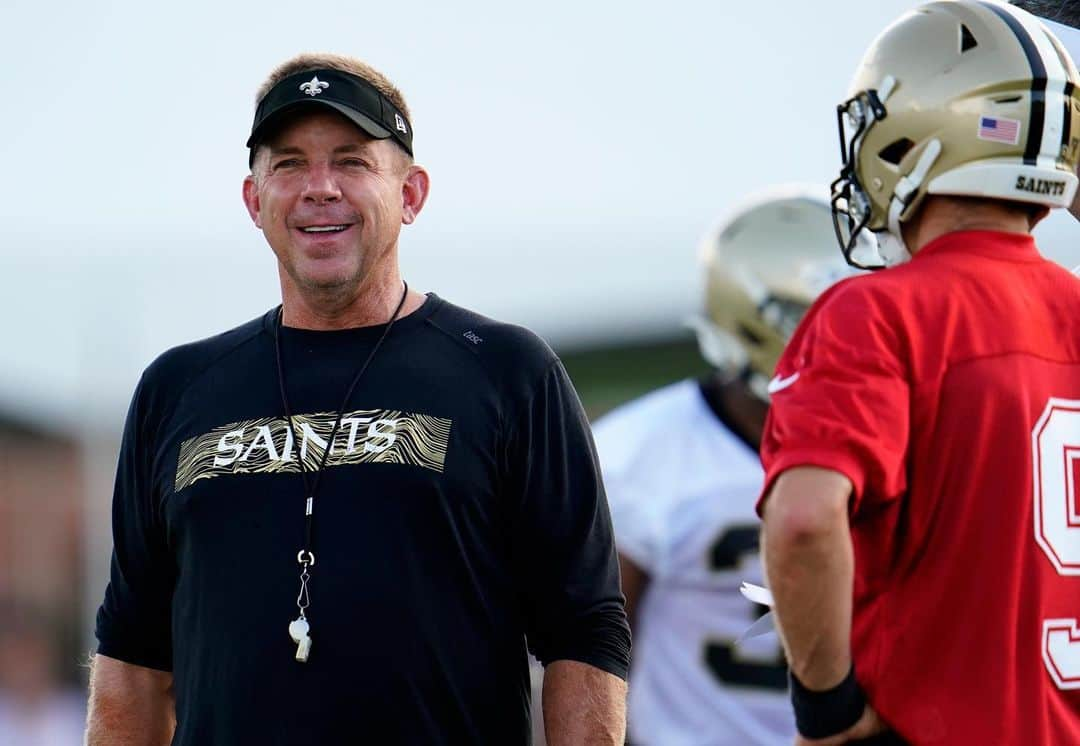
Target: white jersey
(682, 488)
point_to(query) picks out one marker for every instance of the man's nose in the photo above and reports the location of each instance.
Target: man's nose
(321, 185)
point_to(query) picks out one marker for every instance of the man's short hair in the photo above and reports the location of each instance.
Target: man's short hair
(320, 61)
(325, 60)
(1065, 12)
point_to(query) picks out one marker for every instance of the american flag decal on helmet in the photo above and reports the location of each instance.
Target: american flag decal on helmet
(999, 129)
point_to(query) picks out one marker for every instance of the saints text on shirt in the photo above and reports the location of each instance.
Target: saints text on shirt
(267, 445)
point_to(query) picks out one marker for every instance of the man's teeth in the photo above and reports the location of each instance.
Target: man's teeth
(324, 228)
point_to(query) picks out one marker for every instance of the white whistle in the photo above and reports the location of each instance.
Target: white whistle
(303, 649)
(298, 631)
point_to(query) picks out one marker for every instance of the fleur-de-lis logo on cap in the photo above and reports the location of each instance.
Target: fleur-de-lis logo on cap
(314, 86)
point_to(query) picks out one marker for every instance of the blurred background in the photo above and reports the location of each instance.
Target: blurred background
(578, 151)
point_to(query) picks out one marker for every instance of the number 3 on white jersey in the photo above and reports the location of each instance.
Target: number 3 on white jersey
(1055, 452)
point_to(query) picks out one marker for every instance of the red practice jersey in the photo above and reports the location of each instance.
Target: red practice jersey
(948, 391)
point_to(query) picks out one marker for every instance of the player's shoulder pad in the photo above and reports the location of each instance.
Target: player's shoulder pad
(506, 351)
(651, 412)
(630, 436)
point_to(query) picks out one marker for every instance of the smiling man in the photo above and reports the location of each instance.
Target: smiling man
(346, 520)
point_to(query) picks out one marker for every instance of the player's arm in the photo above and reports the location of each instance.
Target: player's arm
(129, 705)
(809, 563)
(807, 552)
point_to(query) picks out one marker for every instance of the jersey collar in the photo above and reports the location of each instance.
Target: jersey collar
(1009, 247)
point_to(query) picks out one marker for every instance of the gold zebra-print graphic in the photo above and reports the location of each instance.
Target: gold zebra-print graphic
(266, 445)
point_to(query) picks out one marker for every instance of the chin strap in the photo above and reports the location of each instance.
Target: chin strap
(891, 247)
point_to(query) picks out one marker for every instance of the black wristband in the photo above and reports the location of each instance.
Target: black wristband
(824, 714)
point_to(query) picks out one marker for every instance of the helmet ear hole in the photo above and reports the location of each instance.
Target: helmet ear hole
(749, 335)
(895, 151)
(967, 39)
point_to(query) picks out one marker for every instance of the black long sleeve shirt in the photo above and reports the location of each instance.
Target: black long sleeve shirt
(460, 519)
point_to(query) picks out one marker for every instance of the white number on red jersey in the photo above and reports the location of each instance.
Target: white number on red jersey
(1055, 452)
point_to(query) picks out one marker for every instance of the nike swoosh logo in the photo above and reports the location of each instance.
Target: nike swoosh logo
(779, 384)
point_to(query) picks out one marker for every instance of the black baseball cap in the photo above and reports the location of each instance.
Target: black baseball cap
(349, 95)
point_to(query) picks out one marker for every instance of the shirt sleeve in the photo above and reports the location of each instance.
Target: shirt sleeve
(841, 398)
(562, 543)
(134, 620)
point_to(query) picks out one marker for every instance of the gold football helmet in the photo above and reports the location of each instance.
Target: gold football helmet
(961, 98)
(764, 265)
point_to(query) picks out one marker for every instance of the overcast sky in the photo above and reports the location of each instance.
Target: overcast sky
(578, 150)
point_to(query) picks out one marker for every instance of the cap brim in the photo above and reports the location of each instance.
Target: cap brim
(366, 124)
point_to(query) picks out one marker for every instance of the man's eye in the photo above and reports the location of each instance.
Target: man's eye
(287, 163)
(352, 163)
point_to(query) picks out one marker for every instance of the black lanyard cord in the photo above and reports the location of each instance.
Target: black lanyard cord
(305, 556)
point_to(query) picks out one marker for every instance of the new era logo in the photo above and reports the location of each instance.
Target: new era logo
(399, 124)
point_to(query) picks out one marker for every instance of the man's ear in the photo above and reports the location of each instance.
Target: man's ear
(414, 193)
(251, 200)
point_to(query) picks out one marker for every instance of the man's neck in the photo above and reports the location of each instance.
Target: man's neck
(737, 407)
(941, 215)
(373, 302)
